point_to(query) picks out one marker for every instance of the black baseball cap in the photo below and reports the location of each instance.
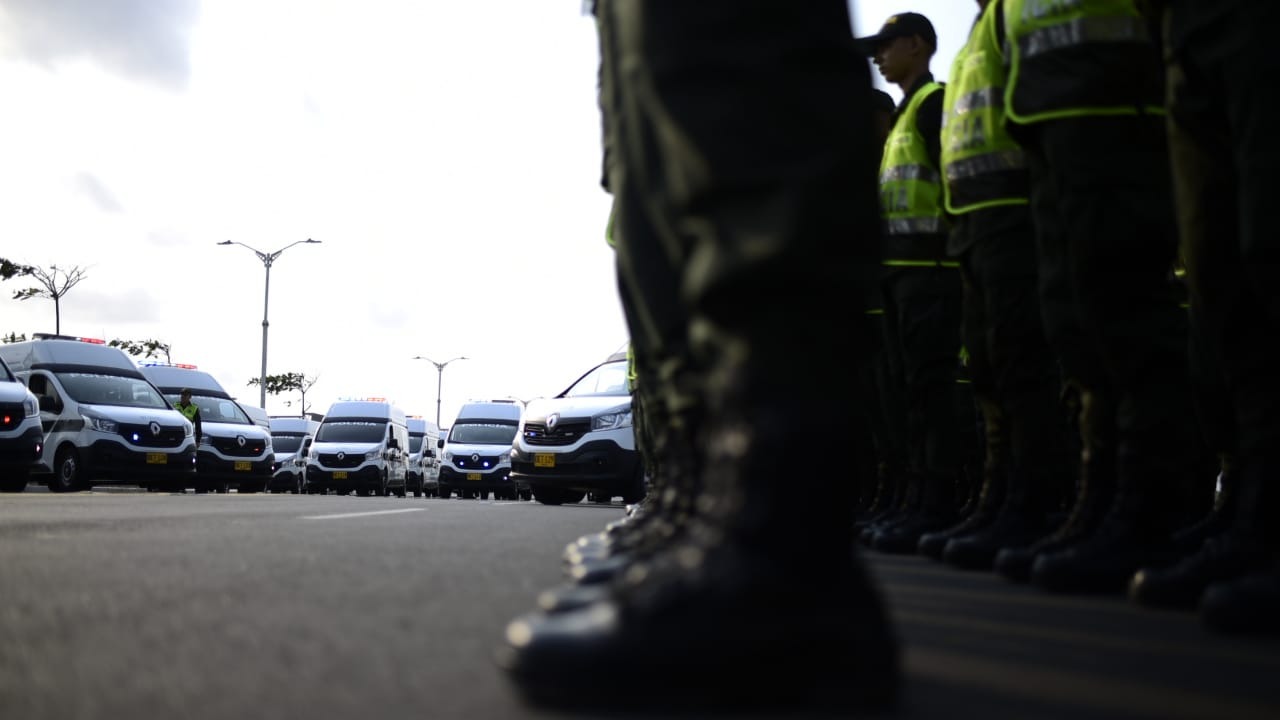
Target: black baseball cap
(901, 25)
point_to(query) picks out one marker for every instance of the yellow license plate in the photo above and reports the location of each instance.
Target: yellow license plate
(339, 474)
(157, 458)
(473, 476)
(544, 460)
(244, 465)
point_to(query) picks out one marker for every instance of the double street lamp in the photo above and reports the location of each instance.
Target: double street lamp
(267, 260)
(439, 380)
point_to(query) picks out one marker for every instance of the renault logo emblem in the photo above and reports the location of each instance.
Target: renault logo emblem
(155, 427)
(342, 456)
(552, 419)
(240, 440)
(475, 457)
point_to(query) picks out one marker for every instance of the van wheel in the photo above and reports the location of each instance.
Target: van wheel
(16, 481)
(66, 471)
(547, 496)
(525, 494)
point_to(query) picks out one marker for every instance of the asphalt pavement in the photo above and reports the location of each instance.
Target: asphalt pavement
(124, 604)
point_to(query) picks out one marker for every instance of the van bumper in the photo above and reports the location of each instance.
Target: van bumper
(366, 478)
(496, 480)
(595, 466)
(219, 469)
(112, 462)
(21, 450)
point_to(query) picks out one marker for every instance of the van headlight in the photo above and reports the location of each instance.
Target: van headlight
(30, 407)
(101, 424)
(206, 440)
(611, 421)
(505, 457)
(373, 454)
(267, 443)
(188, 429)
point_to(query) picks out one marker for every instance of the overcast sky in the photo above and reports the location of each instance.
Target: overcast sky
(445, 153)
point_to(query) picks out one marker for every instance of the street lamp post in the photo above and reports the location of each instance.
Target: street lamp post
(267, 260)
(439, 380)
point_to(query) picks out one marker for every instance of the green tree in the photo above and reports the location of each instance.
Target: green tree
(10, 269)
(55, 282)
(289, 382)
(143, 348)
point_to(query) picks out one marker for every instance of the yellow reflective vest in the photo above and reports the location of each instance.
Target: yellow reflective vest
(1079, 58)
(982, 165)
(910, 187)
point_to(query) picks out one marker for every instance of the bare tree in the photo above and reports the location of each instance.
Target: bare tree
(54, 283)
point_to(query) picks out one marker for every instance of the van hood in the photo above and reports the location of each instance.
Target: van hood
(584, 406)
(218, 429)
(12, 392)
(125, 414)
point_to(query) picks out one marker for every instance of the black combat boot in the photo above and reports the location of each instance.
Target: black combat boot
(991, 495)
(1023, 519)
(1244, 548)
(1248, 605)
(761, 603)
(1135, 533)
(936, 512)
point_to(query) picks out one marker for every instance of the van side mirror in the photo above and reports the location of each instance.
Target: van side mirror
(393, 444)
(440, 443)
(306, 444)
(48, 404)
(429, 453)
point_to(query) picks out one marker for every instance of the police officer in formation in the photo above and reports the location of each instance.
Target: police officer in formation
(746, 211)
(746, 216)
(920, 288)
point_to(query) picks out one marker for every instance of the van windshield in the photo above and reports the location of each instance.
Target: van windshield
(415, 444)
(219, 410)
(285, 444)
(481, 434)
(608, 379)
(351, 432)
(98, 389)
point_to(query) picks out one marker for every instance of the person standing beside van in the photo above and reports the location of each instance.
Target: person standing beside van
(189, 410)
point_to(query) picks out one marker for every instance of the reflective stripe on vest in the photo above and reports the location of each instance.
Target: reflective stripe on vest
(982, 164)
(910, 189)
(1037, 29)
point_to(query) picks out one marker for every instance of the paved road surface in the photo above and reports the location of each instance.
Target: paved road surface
(128, 604)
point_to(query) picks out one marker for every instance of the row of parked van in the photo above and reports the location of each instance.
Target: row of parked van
(75, 412)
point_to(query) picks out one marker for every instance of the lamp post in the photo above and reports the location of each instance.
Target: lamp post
(267, 260)
(439, 380)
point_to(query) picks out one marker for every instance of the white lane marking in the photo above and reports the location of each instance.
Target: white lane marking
(360, 514)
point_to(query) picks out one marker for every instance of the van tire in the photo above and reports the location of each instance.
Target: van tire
(67, 475)
(16, 482)
(548, 496)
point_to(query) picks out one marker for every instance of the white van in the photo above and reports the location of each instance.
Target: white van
(104, 421)
(21, 437)
(477, 451)
(360, 445)
(581, 441)
(291, 437)
(423, 435)
(257, 415)
(234, 451)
